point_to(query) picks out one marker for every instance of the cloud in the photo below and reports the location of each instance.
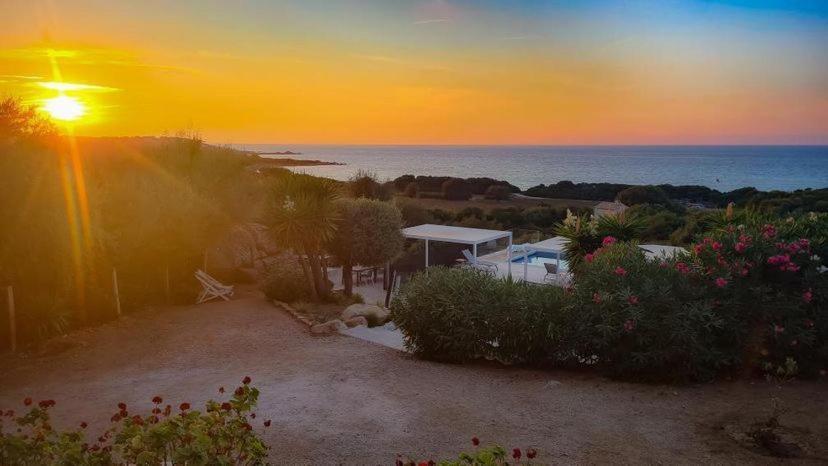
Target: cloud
(61, 86)
(432, 21)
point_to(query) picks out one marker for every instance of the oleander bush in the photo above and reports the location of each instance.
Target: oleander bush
(640, 318)
(749, 298)
(221, 434)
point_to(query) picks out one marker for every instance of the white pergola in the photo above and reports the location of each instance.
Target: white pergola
(460, 235)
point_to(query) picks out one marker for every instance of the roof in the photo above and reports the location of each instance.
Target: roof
(451, 234)
(555, 244)
(660, 251)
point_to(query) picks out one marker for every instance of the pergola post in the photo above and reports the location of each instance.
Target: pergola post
(426, 255)
(509, 254)
(474, 250)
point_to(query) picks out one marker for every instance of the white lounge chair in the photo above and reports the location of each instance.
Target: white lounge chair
(477, 263)
(212, 288)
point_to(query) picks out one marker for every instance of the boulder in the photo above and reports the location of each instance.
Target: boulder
(329, 327)
(356, 321)
(367, 311)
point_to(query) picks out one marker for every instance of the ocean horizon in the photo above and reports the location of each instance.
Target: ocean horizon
(721, 167)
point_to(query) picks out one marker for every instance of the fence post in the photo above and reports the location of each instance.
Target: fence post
(167, 283)
(12, 324)
(116, 291)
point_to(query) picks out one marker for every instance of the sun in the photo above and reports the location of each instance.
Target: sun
(64, 108)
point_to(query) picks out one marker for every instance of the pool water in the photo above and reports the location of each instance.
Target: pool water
(540, 258)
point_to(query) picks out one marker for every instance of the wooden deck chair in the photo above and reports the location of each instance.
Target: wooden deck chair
(212, 288)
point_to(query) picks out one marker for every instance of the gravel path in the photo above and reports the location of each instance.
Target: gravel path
(341, 400)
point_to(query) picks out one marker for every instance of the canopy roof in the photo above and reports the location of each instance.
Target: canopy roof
(451, 234)
(660, 251)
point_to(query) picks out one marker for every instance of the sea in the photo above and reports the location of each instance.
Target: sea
(723, 168)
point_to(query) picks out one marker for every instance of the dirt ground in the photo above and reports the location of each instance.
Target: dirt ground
(338, 400)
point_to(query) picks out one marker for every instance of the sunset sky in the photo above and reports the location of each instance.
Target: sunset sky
(440, 72)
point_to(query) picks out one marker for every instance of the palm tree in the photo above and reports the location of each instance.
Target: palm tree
(586, 233)
(302, 216)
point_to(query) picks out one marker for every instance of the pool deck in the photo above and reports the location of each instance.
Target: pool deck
(531, 273)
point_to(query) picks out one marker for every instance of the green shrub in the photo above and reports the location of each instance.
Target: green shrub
(286, 283)
(460, 314)
(222, 434)
(455, 189)
(498, 192)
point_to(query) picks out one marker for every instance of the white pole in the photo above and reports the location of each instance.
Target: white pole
(509, 254)
(12, 325)
(474, 250)
(426, 254)
(525, 263)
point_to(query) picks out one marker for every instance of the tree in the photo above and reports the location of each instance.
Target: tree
(455, 189)
(498, 192)
(21, 121)
(643, 195)
(368, 233)
(365, 184)
(303, 216)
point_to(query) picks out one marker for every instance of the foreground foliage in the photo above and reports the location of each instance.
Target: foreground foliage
(222, 434)
(749, 298)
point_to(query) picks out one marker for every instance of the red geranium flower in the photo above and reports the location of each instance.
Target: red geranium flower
(608, 240)
(516, 453)
(221, 389)
(246, 380)
(475, 441)
(721, 282)
(226, 406)
(122, 406)
(27, 401)
(531, 453)
(239, 391)
(267, 423)
(157, 399)
(620, 271)
(184, 406)
(83, 425)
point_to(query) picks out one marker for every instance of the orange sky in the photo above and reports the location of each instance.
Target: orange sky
(427, 72)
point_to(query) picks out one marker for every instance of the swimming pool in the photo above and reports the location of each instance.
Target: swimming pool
(540, 258)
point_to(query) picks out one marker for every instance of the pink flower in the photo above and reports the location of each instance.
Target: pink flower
(744, 272)
(620, 271)
(633, 300)
(608, 240)
(777, 329)
(809, 323)
(596, 298)
(721, 282)
(779, 259)
(629, 325)
(790, 267)
(717, 246)
(807, 296)
(682, 267)
(768, 231)
(589, 257)
(698, 248)
(531, 453)
(740, 247)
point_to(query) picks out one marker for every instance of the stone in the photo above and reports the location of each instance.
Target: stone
(329, 327)
(365, 310)
(357, 321)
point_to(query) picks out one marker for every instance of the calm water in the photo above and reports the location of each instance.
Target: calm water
(720, 167)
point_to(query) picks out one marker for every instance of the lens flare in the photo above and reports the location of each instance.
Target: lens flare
(64, 108)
